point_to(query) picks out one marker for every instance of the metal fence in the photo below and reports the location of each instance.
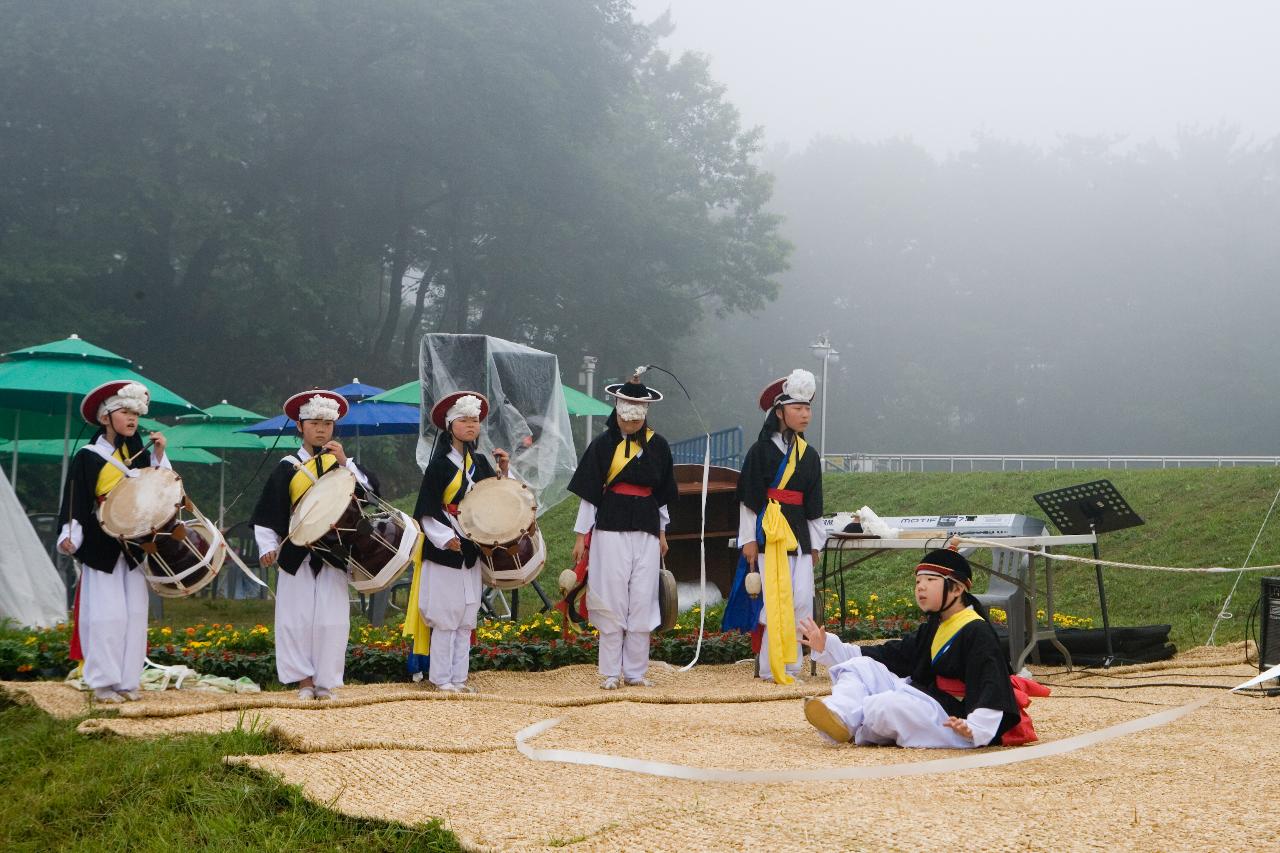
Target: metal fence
(899, 462)
(726, 449)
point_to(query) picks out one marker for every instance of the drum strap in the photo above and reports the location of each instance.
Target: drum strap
(108, 480)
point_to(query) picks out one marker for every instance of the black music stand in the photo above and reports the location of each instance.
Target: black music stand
(1090, 508)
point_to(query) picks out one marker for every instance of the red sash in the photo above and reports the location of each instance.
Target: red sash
(789, 497)
(631, 490)
(1023, 690)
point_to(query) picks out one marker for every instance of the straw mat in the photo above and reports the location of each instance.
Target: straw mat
(408, 754)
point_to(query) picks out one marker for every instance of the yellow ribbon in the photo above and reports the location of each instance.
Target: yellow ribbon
(779, 605)
(620, 457)
(414, 625)
(455, 485)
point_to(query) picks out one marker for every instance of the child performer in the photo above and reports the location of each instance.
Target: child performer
(780, 521)
(111, 603)
(626, 482)
(948, 685)
(449, 596)
(313, 613)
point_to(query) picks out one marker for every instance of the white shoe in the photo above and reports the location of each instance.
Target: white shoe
(129, 695)
(448, 688)
(639, 682)
(463, 687)
(306, 693)
(610, 683)
(324, 693)
(107, 696)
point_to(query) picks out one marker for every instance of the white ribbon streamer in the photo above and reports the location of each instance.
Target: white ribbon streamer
(702, 557)
(840, 774)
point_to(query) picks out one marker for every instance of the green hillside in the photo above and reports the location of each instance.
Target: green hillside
(1194, 517)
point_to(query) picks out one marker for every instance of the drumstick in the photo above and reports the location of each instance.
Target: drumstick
(150, 442)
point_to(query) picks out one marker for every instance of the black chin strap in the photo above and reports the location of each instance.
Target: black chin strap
(948, 584)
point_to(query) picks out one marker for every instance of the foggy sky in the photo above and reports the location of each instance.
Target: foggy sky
(940, 72)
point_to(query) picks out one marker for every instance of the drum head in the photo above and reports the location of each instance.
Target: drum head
(321, 506)
(497, 511)
(141, 504)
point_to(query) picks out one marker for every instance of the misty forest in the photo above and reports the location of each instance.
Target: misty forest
(258, 197)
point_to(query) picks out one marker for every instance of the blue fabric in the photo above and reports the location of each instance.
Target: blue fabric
(364, 418)
(417, 663)
(741, 611)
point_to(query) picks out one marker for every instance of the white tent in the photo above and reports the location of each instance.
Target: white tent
(31, 591)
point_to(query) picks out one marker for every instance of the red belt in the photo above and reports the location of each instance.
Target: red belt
(952, 686)
(631, 490)
(786, 496)
(452, 509)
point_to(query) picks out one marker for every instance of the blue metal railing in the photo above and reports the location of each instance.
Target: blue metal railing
(726, 449)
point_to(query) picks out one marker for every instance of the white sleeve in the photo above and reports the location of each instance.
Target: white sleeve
(746, 525)
(360, 477)
(586, 517)
(664, 516)
(817, 534)
(73, 531)
(268, 541)
(837, 651)
(439, 534)
(162, 462)
(983, 722)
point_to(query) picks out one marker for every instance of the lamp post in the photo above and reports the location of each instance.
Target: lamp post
(823, 350)
(588, 377)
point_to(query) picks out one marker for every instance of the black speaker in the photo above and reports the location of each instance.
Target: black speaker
(1269, 645)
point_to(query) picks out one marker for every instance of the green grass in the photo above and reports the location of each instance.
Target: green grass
(247, 612)
(66, 791)
(1194, 517)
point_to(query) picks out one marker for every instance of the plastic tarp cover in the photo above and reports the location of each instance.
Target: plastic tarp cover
(527, 413)
(31, 591)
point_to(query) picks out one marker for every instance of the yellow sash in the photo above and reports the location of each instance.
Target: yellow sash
(620, 459)
(949, 628)
(414, 625)
(301, 481)
(110, 476)
(455, 485)
(779, 607)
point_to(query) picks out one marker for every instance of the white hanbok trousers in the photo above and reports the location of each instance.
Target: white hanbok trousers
(802, 602)
(880, 708)
(113, 626)
(450, 604)
(622, 598)
(313, 619)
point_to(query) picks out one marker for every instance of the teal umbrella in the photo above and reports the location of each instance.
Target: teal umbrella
(577, 402)
(581, 404)
(50, 379)
(217, 429)
(42, 450)
(407, 393)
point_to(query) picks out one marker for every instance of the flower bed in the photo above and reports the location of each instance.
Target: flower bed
(376, 654)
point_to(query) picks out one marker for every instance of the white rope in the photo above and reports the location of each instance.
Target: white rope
(1224, 613)
(702, 557)
(1211, 570)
